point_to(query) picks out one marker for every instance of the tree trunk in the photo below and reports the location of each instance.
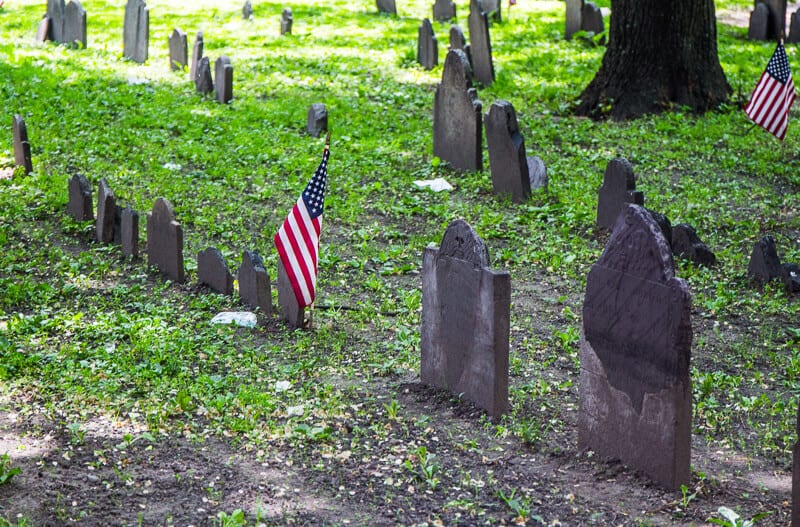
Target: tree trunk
(659, 55)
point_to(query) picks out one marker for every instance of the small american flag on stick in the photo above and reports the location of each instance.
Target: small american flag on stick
(297, 240)
(773, 95)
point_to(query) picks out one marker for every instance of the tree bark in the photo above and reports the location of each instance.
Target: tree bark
(659, 55)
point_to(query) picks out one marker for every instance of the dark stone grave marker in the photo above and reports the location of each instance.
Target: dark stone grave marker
(465, 320)
(794, 29)
(592, 19)
(197, 55)
(56, 12)
(106, 213)
(317, 121)
(444, 10)
(386, 6)
(619, 188)
(492, 8)
(686, 244)
(427, 46)
(537, 172)
(573, 18)
(178, 50)
(480, 44)
(290, 309)
(22, 147)
(213, 271)
(43, 29)
(130, 232)
(286, 21)
(507, 159)
(223, 77)
(459, 41)
(759, 23)
(796, 475)
(777, 18)
(457, 127)
(80, 198)
(203, 82)
(247, 10)
(136, 31)
(253, 280)
(765, 265)
(74, 28)
(635, 388)
(664, 224)
(165, 241)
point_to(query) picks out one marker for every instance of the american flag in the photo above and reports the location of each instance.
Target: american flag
(297, 240)
(773, 96)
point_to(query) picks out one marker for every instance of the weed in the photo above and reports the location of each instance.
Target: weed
(733, 519)
(423, 465)
(6, 470)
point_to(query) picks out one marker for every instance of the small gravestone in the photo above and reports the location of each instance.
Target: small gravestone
(290, 309)
(573, 18)
(80, 198)
(203, 82)
(56, 12)
(213, 271)
(223, 77)
(492, 8)
(75, 24)
(765, 265)
(247, 10)
(197, 55)
(480, 44)
(635, 388)
(794, 28)
(106, 213)
(619, 188)
(459, 41)
(165, 241)
(792, 277)
(136, 31)
(457, 126)
(317, 121)
(796, 475)
(386, 6)
(759, 22)
(43, 29)
(537, 172)
(777, 18)
(465, 320)
(507, 159)
(22, 147)
(664, 224)
(444, 10)
(591, 19)
(686, 244)
(178, 50)
(130, 232)
(286, 21)
(253, 280)
(427, 46)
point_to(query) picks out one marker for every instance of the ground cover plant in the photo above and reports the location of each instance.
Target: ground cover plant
(120, 400)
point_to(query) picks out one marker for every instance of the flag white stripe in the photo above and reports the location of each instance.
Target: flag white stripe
(295, 265)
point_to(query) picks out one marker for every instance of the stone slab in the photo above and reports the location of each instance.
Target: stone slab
(317, 121)
(106, 213)
(254, 287)
(687, 244)
(247, 10)
(178, 50)
(43, 30)
(538, 173)
(165, 241)
(22, 147)
(130, 232)
(618, 189)
(777, 19)
(290, 310)
(197, 55)
(794, 29)
(74, 28)
(223, 77)
(213, 271)
(592, 18)
(507, 159)
(493, 8)
(204, 84)
(386, 6)
(80, 205)
(427, 46)
(287, 19)
(459, 41)
(573, 18)
(56, 12)
(765, 264)
(480, 44)
(136, 31)
(444, 10)
(759, 23)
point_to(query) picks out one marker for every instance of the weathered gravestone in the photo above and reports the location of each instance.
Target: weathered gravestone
(108, 217)
(459, 41)
(619, 188)
(507, 159)
(203, 82)
(130, 232)
(427, 46)
(286, 21)
(664, 224)
(492, 8)
(759, 23)
(480, 44)
(765, 264)
(136, 31)
(213, 271)
(794, 28)
(386, 6)
(591, 18)
(80, 198)
(457, 127)
(165, 241)
(178, 50)
(465, 320)
(317, 119)
(777, 18)
(573, 18)
(56, 12)
(43, 29)
(74, 29)
(223, 77)
(247, 10)
(444, 10)
(197, 55)
(537, 172)
(22, 147)
(289, 307)
(635, 389)
(796, 475)
(687, 244)
(253, 280)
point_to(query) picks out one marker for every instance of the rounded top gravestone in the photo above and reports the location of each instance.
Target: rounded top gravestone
(462, 242)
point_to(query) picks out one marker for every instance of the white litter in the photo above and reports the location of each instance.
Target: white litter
(240, 318)
(282, 386)
(437, 185)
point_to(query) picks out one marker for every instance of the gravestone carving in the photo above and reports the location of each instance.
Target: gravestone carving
(74, 28)
(80, 198)
(286, 21)
(591, 18)
(197, 55)
(317, 121)
(759, 28)
(465, 320)
(619, 188)
(253, 280)
(492, 8)
(537, 172)
(247, 10)
(444, 10)
(213, 271)
(507, 159)
(165, 241)
(290, 309)
(459, 41)
(386, 6)
(635, 388)
(22, 147)
(223, 77)
(480, 44)
(107, 214)
(43, 29)
(796, 475)
(178, 50)
(56, 12)
(427, 46)
(204, 84)
(686, 244)
(136, 31)
(130, 232)
(573, 18)
(457, 126)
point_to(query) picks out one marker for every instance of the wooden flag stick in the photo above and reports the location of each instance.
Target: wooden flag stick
(328, 140)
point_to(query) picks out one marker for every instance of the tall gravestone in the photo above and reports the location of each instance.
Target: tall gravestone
(107, 214)
(317, 119)
(619, 188)
(635, 388)
(286, 21)
(459, 41)
(444, 10)
(492, 8)
(203, 82)
(136, 31)
(43, 29)
(56, 12)
(480, 44)
(74, 28)
(247, 10)
(427, 46)
(386, 6)
(213, 271)
(465, 320)
(165, 241)
(759, 28)
(253, 281)
(592, 18)
(573, 18)
(289, 307)
(178, 50)
(130, 232)
(22, 147)
(457, 126)
(223, 77)
(80, 198)
(197, 55)
(777, 18)
(507, 159)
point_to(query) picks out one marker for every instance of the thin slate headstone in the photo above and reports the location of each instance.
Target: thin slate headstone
(619, 188)
(74, 29)
(56, 12)
(136, 31)
(203, 82)
(444, 10)
(507, 159)
(687, 244)
(765, 264)
(796, 475)
(386, 6)
(459, 41)
(290, 310)
(635, 389)
(197, 55)
(794, 29)
(106, 213)
(492, 8)
(286, 21)
(213, 271)
(178, 50)
(80, 198)
(538, 173)
(22, 147)
(573, 18)
(591, 18)
(223, 77)
(457, 126)
(165, 241)
(777, 19)
(247, 10)
(130, 232)
(664, 224)
(480, 45)
(465, 320)
(759, 23)
(427, 46)
(43, 29)
(317, 121)
(254, 289)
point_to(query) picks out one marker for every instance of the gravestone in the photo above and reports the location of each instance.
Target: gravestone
(22, 147)
(794, 28)
(492, 8)
(107, 214)
(465, 320)
(74, 28)
(130, 232)
(286, 21)
(427, 46)
(480, 44)
(247, 10)
(386, 6)
(178, 50)
(197, 55)
(664, 224)
(796, 475)
(457, 127)
(591, 18)
(80, 198)
(56, 12)
(253, 280)
(635, 388)
(777, 18)
(537, 172)
(759, 23)
(213, 271)
(317, 121)
(136, 31)
(573, 18)
(289, 308)
(43, 29)
(165, 241)
(223, 77)
(203, 82)
(765, 265)
(686, 244)
(444, 10)
(459, 41)
(619, 188)
(507, 159)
